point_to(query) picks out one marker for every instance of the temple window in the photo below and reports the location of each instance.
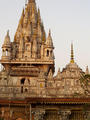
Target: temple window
(6, 52)
(21, 89)
(22, 83)
(47, 53)
(26, 90)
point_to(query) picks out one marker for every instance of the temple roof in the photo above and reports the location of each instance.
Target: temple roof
(46, 101)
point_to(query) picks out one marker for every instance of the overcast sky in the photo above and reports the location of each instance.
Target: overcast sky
(69, 20)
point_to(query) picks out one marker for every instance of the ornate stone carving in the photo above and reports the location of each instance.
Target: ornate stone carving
(86, 115)
(39, 114)
(64, 114)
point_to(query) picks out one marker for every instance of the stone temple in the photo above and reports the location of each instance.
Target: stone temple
(28, 88)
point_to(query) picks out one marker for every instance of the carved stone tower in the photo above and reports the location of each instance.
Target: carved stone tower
(28, 88)
(30, 45)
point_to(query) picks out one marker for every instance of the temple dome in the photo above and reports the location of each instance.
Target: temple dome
(72, 70)
(72, 66)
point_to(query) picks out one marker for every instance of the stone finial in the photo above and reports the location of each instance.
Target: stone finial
(7, 39)
(50, 74)
(59, 70)
(59, 73)
(87, 71)
(49, 39)
(7, 32)
(31, 1)
(72, 54)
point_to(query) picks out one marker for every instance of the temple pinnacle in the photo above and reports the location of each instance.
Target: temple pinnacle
(30, 1)
(87, 71)
(7, 32)
(72, 54)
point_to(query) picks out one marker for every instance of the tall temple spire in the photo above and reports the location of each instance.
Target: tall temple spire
(39, 17)
(22, 17)
(30, 1)
(72, 54)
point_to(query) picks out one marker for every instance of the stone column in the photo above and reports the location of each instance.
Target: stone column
(64, 114)
(86, 115)
(39, 114)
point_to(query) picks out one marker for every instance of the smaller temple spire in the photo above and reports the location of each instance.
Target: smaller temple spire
(50, 74)
(58, 74)
(49, 32)
(21, 19)
(39, 17)
(7, 32)
(49, 39)
(26, 1)
(7, 38)
(87, 71)
(72, 54)
(59, 70)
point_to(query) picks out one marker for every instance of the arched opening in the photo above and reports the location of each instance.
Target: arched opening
(22, 83)
(3, 52)
(21, 89)
(47, 53)
(6, 52)
(26, 90)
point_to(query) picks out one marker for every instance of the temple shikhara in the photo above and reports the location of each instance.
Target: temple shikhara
(29, 90)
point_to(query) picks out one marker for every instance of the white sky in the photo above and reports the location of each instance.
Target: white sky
(68, 20)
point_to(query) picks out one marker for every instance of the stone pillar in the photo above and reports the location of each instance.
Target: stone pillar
(86, 115)
(64, 114)
(39, 114)
(3, 113)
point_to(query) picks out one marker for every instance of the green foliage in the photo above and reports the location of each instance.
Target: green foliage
(76, 94)
(1, 118)
(85, 107)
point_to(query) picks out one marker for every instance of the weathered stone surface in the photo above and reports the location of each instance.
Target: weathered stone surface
(28, 72)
